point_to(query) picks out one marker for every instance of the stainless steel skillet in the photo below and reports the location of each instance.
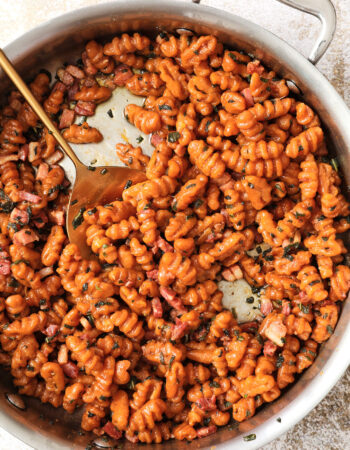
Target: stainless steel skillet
(43, 427)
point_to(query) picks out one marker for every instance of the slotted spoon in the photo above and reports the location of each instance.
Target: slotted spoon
(90, 188)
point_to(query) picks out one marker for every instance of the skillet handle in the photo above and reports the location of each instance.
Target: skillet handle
(325, 12)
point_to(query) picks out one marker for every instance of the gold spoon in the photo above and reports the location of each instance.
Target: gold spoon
(90, 188)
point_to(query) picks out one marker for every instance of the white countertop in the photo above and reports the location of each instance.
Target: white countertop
(327, 427)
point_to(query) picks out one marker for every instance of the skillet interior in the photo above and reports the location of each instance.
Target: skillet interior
(66, 35)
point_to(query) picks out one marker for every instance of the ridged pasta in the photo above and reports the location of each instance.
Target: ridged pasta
(238, 187)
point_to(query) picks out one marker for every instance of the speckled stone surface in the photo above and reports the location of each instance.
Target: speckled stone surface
(327, 427)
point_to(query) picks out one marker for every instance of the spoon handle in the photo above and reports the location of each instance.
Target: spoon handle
(38, 109)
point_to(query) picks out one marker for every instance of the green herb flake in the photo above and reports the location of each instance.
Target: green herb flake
(90, 319)
(334, 164)
(18, 261)
(6, 206)
(255, 289)
(174, 136)
(198, 203)
(279, 361)
(102, 303)
(304, 308)
(164, 107)
(161, 358)
(51, 338)
(278, 187)
(207, 125)
(92, 211)
(206, 421)
(78, 219)
(250, 437)
(127, 184)
(290, 247)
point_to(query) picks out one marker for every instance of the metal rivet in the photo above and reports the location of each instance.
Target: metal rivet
(184, 32)
(16, 400)
(293, 87)
(104, 442)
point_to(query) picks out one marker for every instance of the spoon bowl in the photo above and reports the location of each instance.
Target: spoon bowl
(95, 186)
